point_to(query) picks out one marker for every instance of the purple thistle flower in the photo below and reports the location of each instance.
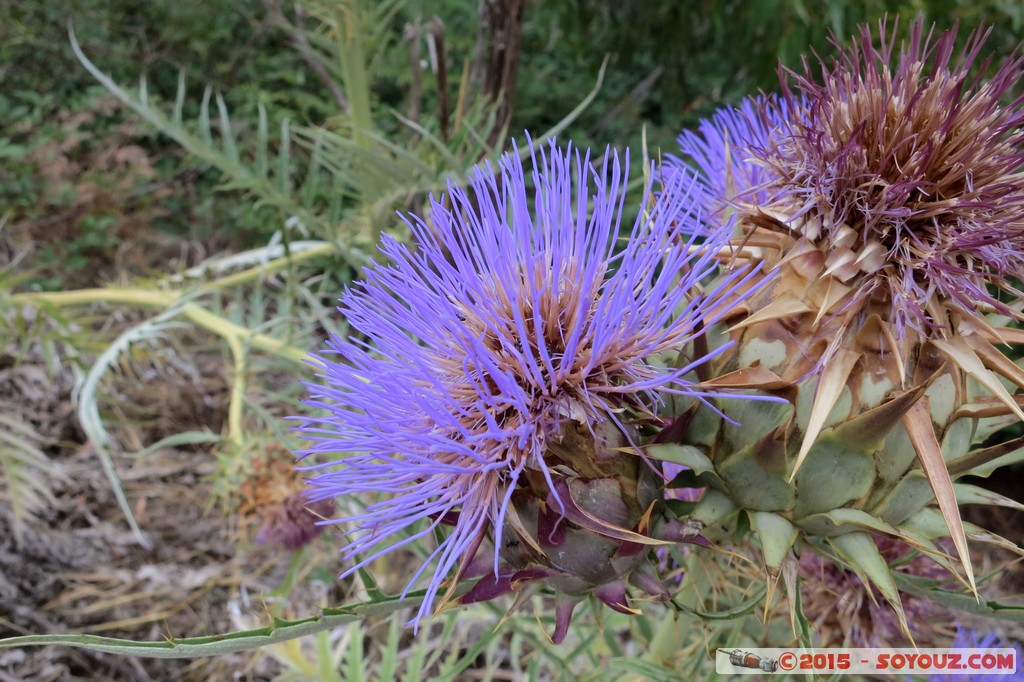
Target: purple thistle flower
(519, 322)
(724, 149)
(903, 166)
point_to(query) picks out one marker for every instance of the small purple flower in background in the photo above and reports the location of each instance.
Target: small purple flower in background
(493, 372)
(971, 639)
(724, 149)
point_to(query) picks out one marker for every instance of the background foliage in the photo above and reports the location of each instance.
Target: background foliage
(670, 64)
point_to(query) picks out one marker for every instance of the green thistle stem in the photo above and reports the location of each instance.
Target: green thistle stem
(64, 299)
(233, 333)
(201, 317)
(270, 267)
(229, 330)
(237, 400)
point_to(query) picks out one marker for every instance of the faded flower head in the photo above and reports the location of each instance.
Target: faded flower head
(503, 359)
(901, 165)
(272, 494)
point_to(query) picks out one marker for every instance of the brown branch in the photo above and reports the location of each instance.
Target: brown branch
(435, 34)
(476, 69)
(505, 20)
(634, 99)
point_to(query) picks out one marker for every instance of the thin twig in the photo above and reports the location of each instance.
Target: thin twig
(634, 99)
(412, 36)
(505, 21)
(297, 33)
(476, 70)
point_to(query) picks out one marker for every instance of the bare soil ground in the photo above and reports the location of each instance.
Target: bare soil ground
(76, 567)
(73, 565)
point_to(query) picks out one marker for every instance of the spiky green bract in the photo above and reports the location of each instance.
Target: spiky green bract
(497, 365)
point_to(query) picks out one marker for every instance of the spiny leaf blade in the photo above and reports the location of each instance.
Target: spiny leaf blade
(918, 423)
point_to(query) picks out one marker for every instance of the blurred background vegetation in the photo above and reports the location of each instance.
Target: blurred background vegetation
(79, 174)
(220, 208)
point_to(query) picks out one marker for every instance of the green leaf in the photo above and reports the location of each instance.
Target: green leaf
(621, 668)
(958, 600)
(910, 495)
(798, 620)
(831, 385)
(354, 661)
(275, 192)
(756, 480)
(179, 439)
(835, 473)
(350, 30)
(756, 420)
(685, 455)
(839, 521)
(87, 394)
(859, 551)
(777, 537)
(972, 494)
(26, 473)
(713, 507)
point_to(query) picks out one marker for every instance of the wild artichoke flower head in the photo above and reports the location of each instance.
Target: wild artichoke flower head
(901, 167)
(492, 374)
(884, 191)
